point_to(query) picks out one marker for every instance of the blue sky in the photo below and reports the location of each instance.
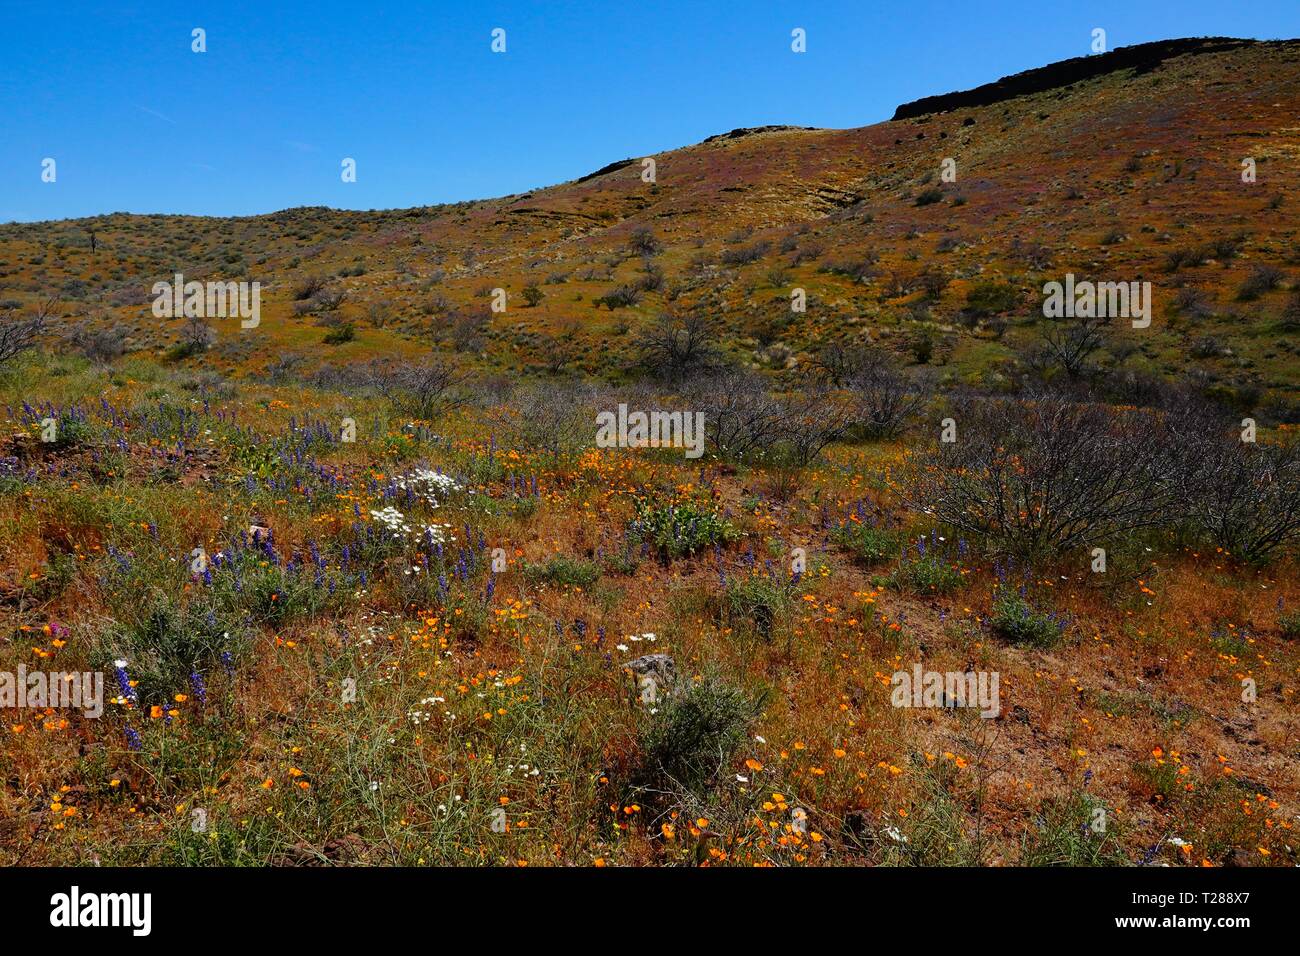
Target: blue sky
(138, 122)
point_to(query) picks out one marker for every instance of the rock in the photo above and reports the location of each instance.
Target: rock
(659, 668)
(341, 850)
(857, 828)
(1239, 857)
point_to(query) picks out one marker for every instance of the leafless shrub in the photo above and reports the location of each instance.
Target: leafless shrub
(558, 349)
(1068, 345)
(674, 346)
(309, 288)
(1226, 247)
(743, 255)
(427, 390)
(1262, 278)
(1291, 313)
(468, 330)
(1188, 256)
(330, 301)
(813, 416)
(741, 417)
(1192, 302)
(1046, 474)
(861, 270)
(380, 313)
(1207, 346)
(899, 285)
(699, 264)
(1244, 495)
(99, 343)
(618, 298)
(18, 333)
(744, 421)
(281, 371)
(885, 400)
(838, 362)
(652, 277)
(558, 417)
(196, 335)
(1033, 254)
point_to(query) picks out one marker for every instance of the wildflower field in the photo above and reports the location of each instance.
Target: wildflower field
(411, 648)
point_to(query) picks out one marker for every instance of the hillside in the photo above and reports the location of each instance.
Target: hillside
(1107, 176)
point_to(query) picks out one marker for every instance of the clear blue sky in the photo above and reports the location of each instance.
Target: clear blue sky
(137, 122)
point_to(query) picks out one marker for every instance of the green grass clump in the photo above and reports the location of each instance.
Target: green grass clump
(927, 574)
(567, 572)
(694, 737)
(1289, 625)
(756, 603)
(869, 544)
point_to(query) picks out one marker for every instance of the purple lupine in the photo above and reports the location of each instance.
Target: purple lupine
(124, 682)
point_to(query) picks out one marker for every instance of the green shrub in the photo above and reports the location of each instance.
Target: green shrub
(694, 737)
(70, 432)
(992, 298)
(166, 644)
(340, 334)
(1019, 622)
(1065, 832)
(929, 196)
(1289, 625)
(678, 530)
(755, 602)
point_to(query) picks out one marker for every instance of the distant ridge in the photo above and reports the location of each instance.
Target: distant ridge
(1143, 57)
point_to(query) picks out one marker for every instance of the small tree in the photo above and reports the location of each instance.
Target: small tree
(196, 335)
(677, 346)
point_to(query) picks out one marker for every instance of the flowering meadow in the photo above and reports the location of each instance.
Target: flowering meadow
(413, 648)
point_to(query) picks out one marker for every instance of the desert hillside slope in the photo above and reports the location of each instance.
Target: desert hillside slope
(1130, 174)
